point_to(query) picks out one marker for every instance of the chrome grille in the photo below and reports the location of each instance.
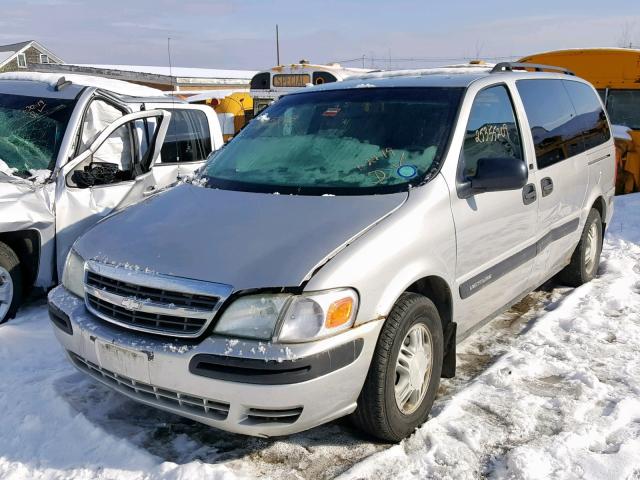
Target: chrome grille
(151, 321)
(126, 289)
(156, 396)
(150, 302)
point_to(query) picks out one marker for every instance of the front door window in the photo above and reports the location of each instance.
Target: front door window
(492, 131)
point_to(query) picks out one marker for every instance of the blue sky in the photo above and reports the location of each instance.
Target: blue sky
(240, 34)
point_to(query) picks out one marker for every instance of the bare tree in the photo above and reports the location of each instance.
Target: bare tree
(625, 39)
(478, 51)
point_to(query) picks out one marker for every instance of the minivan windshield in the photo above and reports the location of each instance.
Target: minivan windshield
(344, 142)
(31, 131)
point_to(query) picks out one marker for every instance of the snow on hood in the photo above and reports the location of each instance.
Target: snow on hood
(246, 240)
(116, 86)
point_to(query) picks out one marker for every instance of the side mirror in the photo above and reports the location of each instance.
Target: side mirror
(498, 174)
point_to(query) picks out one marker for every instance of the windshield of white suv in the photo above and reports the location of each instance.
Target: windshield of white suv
(345, 142)
(31, 130)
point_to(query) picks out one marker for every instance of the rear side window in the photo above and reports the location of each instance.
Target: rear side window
(555, 127)
(595, 128)
(188, 137)
(492, 131)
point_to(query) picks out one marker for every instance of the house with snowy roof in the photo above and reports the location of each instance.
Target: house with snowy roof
(23, 55)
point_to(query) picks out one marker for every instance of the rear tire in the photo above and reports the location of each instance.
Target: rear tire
(405, 371)
(586, 257)
(10, 283)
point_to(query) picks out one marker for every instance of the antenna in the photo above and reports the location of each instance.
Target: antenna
(277, 46)
(170, 66)
(173, 86)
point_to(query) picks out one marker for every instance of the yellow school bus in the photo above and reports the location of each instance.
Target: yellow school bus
(615, 72)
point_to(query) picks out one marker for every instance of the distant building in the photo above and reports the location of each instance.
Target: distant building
(24, 55)
(178, 79)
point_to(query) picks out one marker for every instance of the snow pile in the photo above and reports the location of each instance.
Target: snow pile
(116, 86)
(563, 402)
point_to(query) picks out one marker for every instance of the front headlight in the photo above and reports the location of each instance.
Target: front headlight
(73, 275)
(290, 318)
(253, 316)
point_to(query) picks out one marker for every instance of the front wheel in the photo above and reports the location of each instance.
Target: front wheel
(405, 371)
(10, 283)
(586, 257)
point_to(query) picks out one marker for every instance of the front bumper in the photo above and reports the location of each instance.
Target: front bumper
(249, 387)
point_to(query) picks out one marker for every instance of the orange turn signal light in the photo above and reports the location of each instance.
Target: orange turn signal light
(339, 312)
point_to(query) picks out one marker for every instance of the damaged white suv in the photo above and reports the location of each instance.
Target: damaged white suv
(72, 150)
(329, 258)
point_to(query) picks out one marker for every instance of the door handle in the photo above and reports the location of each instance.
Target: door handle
(547, 186)
(529, 194)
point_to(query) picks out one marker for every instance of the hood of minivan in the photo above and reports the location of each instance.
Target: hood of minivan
(246, 240)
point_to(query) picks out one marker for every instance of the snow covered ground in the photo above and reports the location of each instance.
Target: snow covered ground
(551, 389)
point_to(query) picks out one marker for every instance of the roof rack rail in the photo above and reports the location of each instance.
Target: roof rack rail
(510, 66)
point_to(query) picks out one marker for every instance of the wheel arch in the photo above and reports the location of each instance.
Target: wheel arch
(601, 206)
(436, 289)
(26, 246)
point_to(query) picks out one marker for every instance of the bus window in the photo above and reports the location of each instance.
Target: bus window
(261, 81)
(291, 80)
(323, 77)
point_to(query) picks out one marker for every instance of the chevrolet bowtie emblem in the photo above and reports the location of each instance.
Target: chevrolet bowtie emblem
(131, 304)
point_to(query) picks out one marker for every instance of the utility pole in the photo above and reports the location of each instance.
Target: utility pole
(277, 46)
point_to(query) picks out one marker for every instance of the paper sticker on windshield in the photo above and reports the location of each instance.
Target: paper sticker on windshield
(407, 171)
(331, 112)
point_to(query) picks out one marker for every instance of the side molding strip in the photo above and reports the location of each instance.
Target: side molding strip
(599, 159)
(478, 282)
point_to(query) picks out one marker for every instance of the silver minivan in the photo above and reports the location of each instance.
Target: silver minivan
(327, 260)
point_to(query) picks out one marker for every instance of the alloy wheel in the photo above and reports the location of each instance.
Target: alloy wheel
(413, 369)
(591, 248)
